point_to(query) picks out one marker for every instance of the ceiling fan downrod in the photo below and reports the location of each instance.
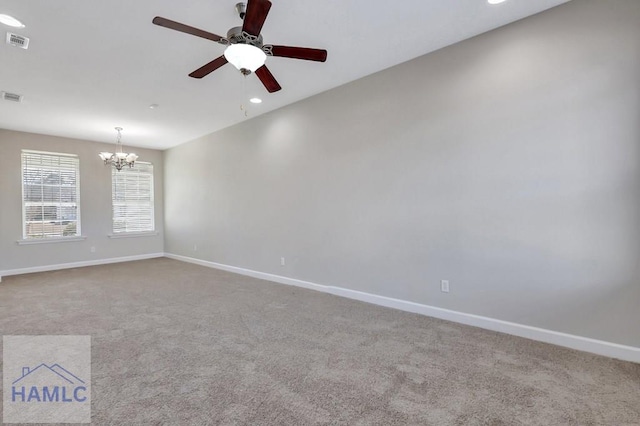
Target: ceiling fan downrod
(241, 8)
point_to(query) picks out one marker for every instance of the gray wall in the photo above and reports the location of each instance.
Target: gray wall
(507, 164)
(95, 205)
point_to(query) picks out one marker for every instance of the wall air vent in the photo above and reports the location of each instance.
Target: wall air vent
(17, 40)
(13, 97)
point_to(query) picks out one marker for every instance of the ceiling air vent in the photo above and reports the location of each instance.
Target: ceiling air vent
(13, 97)
(17, 40)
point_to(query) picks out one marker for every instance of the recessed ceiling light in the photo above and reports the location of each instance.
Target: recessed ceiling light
(154, 106)
(255, 100)
(495, 1)
(10, 21)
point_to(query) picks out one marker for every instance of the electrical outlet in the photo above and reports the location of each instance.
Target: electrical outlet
(195, 247)
(282, 261)
(444, 286)
(93, 249)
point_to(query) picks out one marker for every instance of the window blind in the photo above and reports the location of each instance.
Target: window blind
(132, 198)
(50, 195)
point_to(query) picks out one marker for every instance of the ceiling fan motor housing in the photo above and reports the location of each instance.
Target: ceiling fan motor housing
(236, 36)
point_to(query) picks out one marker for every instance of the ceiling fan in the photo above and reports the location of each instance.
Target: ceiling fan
(245, 49)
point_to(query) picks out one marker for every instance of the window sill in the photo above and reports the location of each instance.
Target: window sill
(51, 240)
(133, 234)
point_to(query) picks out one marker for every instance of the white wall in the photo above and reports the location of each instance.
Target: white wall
(508, 164)
(95, 205)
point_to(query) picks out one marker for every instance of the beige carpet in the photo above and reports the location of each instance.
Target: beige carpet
(179, 344)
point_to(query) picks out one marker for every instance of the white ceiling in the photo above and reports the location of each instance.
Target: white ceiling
(94, 65)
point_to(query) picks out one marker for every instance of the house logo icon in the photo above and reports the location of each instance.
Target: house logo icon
(48, 383)
(46, 379)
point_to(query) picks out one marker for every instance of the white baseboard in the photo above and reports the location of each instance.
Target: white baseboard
(95, 262)
(599, 347)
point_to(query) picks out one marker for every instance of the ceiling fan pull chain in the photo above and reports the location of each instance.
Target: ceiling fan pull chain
(244, 95)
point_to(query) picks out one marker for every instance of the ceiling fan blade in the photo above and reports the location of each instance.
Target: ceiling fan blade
(267, 79)
(173, 25)
(305, 53)
(209, 68)
(257, 11)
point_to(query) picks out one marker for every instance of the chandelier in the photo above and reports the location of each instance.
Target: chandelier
(119, 159)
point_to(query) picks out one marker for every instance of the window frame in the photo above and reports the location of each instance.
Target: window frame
(134, 233)
(30, 239)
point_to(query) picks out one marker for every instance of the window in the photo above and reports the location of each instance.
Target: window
(50, 195)
(132, 197)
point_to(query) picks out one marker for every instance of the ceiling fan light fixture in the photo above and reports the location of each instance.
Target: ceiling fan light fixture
(10, 21)
(245, 56)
